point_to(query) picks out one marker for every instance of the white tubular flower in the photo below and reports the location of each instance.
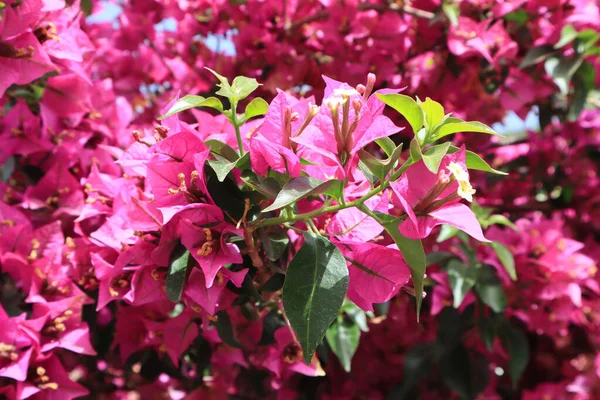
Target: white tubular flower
(333, 103)
(345, 92)
(465, 190)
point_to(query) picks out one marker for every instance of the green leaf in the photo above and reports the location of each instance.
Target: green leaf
(537, 55)
(242, 86)
(567, 35)
(519, 16)
(386, 144)
(274, 283)
(415, 150)
(191, 101)
(299, 188)
(223, 166)
(315, 286)
(343, 337)
(490, 290)
(356, 314)
(255, 108)
(438, 257)
(462, 278)
(447, 232)
(562, 70)
(506, 258)
(380, 168)
(474, 161)
(516, 344)
(224, 81)
(178, 270)
(275, 241)
(406, 106)
(453, 127)
(418, 362)
(433, 156)
(585, 40)
(86, 7)
(498, 219)
(7, 169)
(225, 329)
(452, 11)
(493, 296)
(584, 81)
(459, 374)
(414, 255)
(434, 113)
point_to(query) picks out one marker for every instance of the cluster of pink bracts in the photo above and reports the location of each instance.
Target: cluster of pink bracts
(91, 213)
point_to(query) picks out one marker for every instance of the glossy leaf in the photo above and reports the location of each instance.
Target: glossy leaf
(225, 329)
(191, 101)
(434, 113)
(406, 106)
(177, 274)
(315, 286)
(387, 145)
(454, 127)
(255, 108)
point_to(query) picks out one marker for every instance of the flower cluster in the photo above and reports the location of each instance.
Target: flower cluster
(336, 240)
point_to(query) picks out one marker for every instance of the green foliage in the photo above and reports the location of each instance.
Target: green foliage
(178, 271)
(301, 187)
(315, 286)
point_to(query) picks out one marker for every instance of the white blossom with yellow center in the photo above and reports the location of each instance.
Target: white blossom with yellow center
(465, 190)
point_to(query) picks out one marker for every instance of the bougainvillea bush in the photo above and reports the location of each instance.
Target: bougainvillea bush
(299, 199)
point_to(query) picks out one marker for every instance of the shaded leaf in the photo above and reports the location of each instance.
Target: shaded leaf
(177, 274)
(506, 258)
(380, 168)
(462, 278)
(516, 344)
(537, 55)
(225, 329)
(386, 144)
(343, 337)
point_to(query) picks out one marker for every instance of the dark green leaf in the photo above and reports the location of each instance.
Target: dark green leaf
(225, 329)
(191, 101)
(177, 275)
(271, 323)
(414, 255)
(274, 283)
(255, 108)
(474, 161)
(462, 278)
(438, 257)
(449, 331)
(487, 331)
(516, 344)
(457, 372)
(584, 81)
(537, 55)
(221, 166)
(406, 106)
(222, 149)
(418, 362)
(356, 314)
(433, 156)
(315, 286)
(299, 188)
(506, 258)
(343, 336)
(519, 16)
(275, 241)
(86, 7)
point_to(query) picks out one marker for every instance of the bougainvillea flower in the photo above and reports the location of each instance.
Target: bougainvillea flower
(433, 199)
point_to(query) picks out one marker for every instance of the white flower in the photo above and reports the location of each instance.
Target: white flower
(465, 190)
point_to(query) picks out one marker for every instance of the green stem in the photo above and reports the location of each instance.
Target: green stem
(337, 207)
(234, 122)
